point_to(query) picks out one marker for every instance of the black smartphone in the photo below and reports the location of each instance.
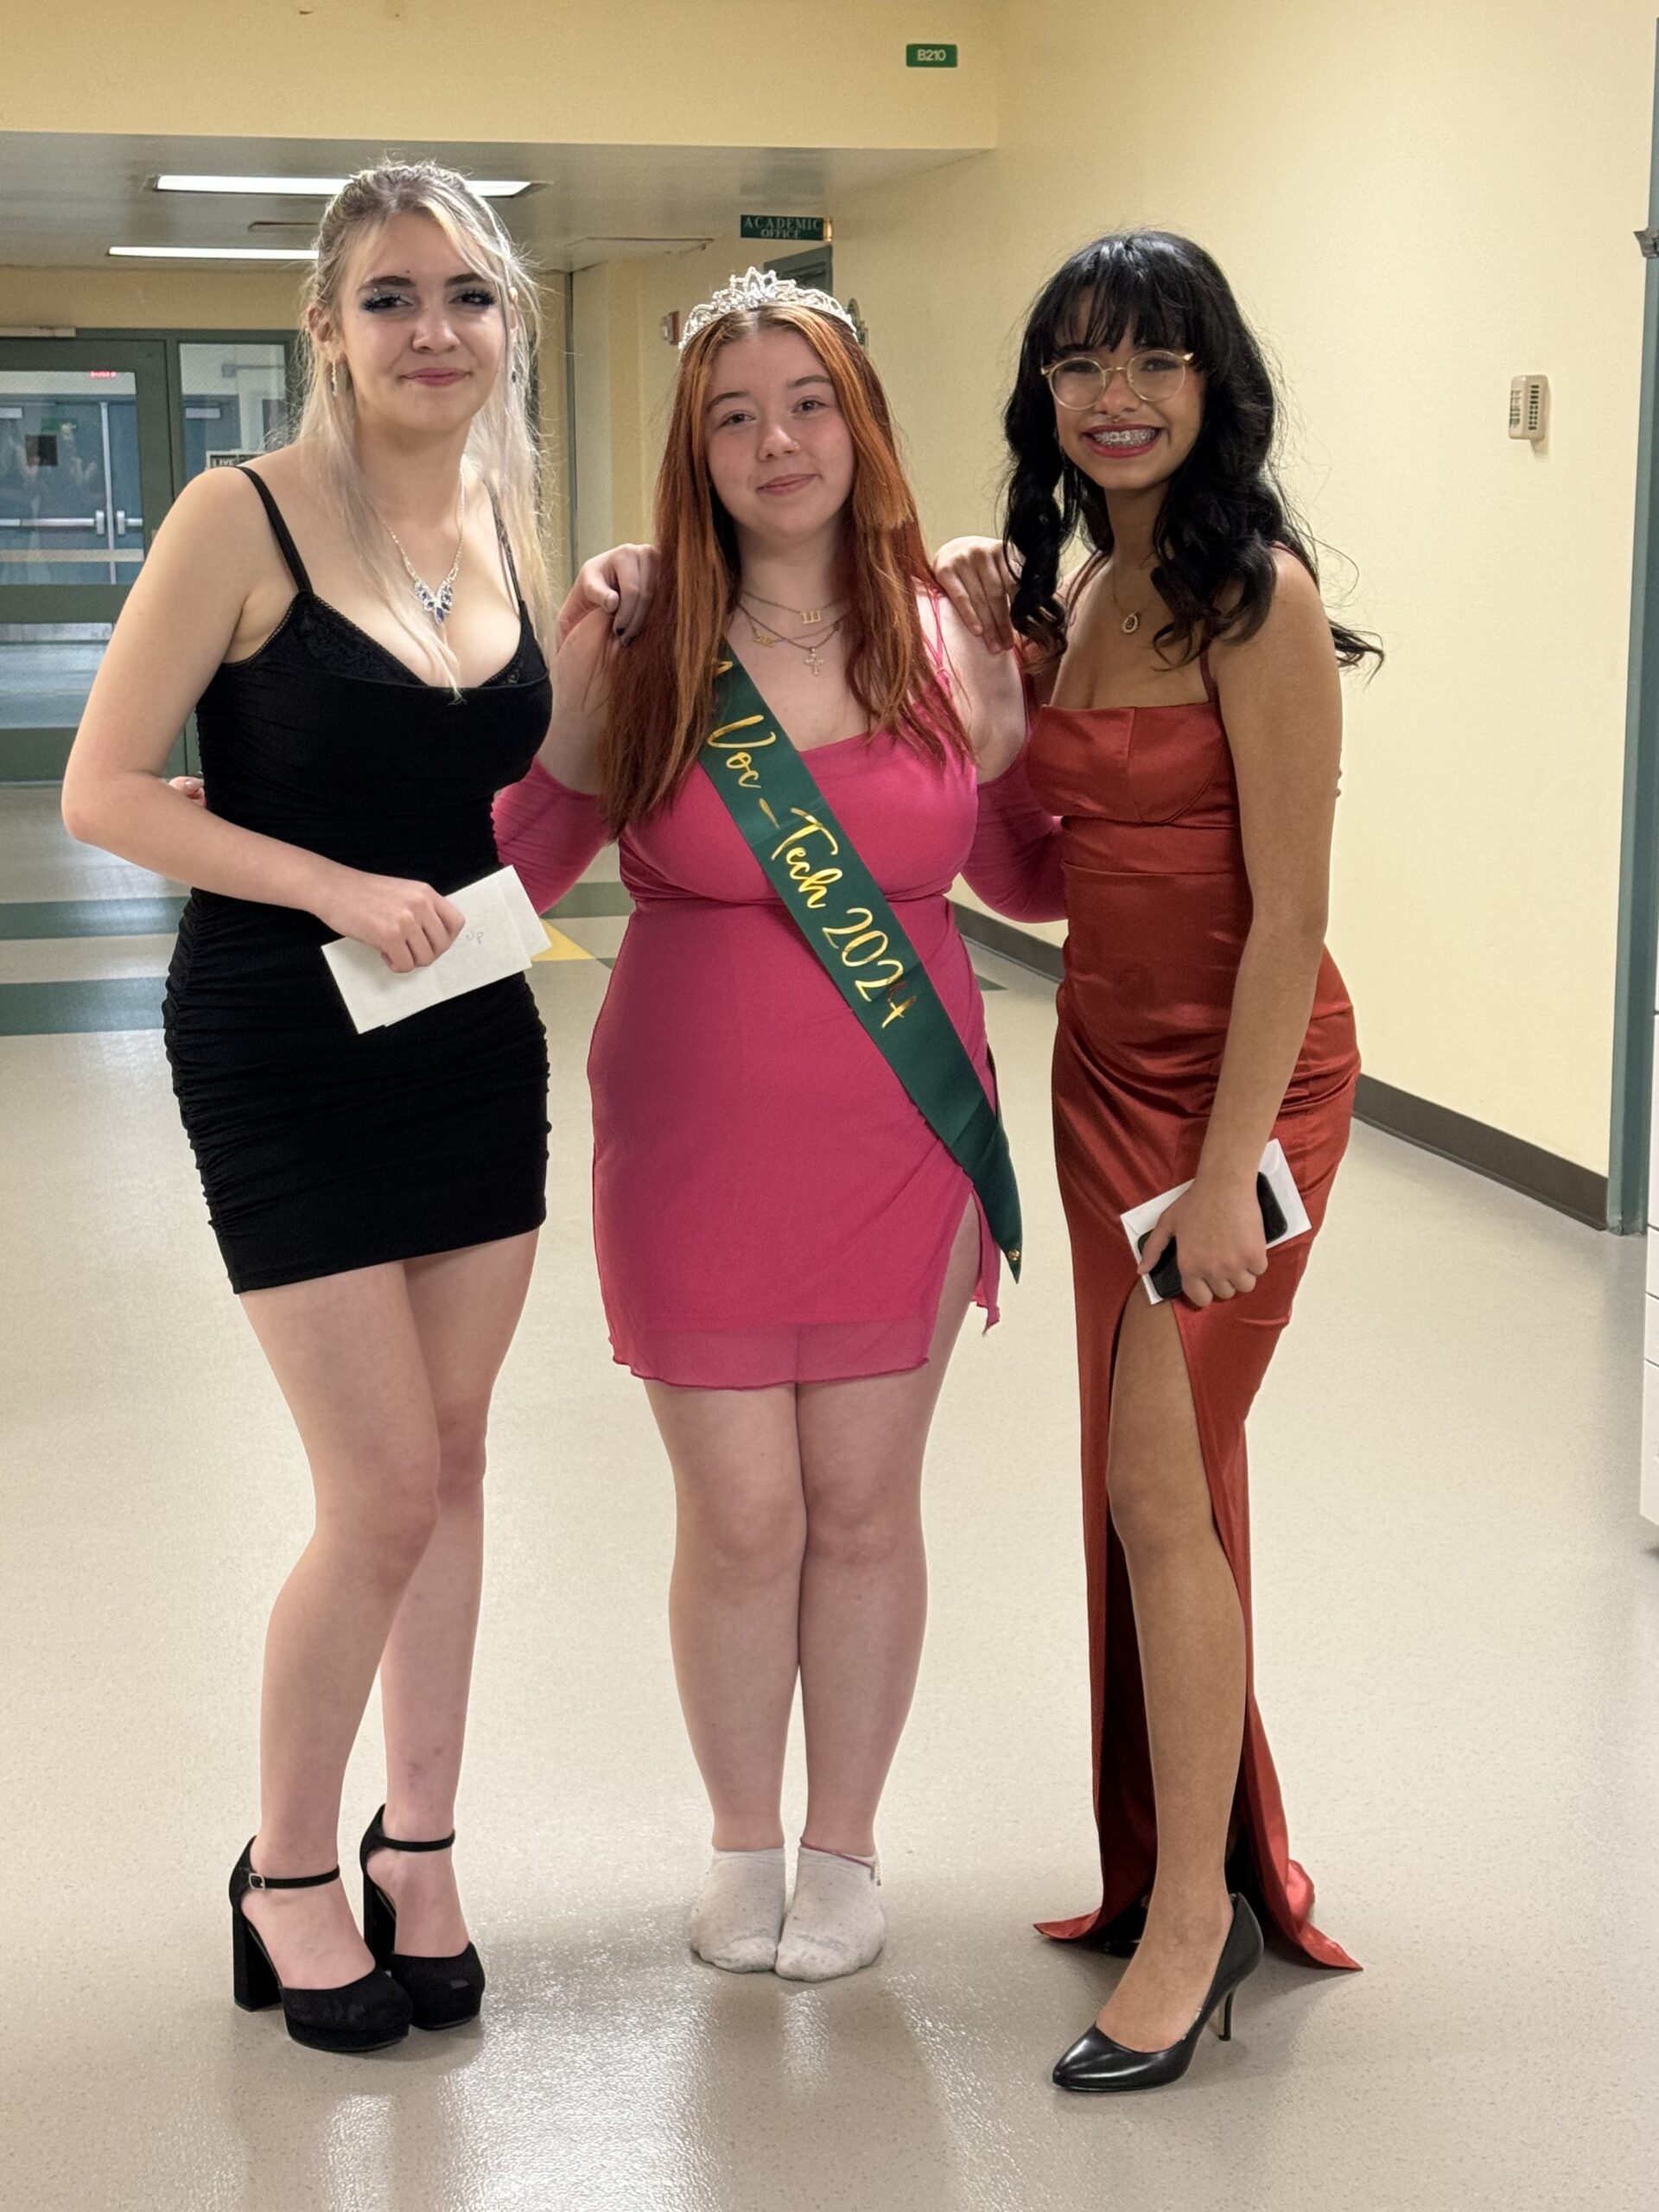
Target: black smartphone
(1166, 1277)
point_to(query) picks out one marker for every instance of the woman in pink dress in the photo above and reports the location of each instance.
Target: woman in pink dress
(787, 1249)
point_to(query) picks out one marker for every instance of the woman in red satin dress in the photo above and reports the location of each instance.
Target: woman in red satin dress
(1175, 807)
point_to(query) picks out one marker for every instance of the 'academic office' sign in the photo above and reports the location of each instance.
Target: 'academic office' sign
(809, 230)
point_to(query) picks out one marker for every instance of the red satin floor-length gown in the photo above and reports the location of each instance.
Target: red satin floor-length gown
(1146, 865)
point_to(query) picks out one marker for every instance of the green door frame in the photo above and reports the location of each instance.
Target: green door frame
(155, 359)
(1636, 985)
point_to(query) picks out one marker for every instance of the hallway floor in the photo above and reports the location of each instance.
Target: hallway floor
(1458, 1624)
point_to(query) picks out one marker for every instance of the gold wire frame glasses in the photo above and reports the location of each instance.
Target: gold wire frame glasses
(1154, 375)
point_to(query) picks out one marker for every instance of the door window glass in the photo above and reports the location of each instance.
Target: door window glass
(235, 402)
(70, 508)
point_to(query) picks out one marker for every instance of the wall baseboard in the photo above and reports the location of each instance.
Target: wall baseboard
(1554, 1182)
(1562, 1184)
(1011, 940)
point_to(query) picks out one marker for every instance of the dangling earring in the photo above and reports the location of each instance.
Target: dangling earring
(333, 381)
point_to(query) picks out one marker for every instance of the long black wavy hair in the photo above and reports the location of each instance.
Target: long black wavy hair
(1224, 510)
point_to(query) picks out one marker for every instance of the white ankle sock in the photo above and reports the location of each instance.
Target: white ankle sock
(835, 1923)
(740, 1909)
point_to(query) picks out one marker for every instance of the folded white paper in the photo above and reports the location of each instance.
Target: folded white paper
(503, 935)
(1141, 1219)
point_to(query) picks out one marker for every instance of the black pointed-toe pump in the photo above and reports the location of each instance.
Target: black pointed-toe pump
(1096, 2064)
(444, 1992)
(367, 2014)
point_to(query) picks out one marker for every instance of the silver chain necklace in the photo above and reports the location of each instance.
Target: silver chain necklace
(436, 603)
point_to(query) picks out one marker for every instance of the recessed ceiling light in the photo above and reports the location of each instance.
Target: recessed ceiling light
(214, 252)
(318, 188)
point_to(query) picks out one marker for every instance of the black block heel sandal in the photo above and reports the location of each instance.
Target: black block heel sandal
(444, 1992)
(367, 2014)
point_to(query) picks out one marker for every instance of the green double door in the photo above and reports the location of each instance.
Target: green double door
(97, 435)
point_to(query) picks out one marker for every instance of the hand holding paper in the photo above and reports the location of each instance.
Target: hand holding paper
(502, 935)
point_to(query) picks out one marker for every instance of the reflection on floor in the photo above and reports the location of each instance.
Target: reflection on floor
(1458, 1621)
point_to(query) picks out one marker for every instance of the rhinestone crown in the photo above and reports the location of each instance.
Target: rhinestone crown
(762, 288)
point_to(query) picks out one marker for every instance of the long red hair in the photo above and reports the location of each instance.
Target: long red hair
(662, 686)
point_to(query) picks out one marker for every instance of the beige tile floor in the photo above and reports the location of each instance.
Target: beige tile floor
(1458, 1625)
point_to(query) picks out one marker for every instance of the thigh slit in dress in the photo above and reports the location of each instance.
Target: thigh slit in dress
(1123, 821)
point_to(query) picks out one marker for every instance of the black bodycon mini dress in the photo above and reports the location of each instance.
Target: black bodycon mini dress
(321, 1150)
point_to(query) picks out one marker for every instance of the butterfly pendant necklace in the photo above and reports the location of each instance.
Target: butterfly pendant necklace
(436, 599)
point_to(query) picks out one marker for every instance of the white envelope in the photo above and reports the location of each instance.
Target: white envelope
(1144, 1217)
(503, 935)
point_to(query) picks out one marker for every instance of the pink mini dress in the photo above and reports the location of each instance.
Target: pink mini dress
(769, 1206)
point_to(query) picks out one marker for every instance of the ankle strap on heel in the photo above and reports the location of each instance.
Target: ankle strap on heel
(378, 1840)
(291, 1881)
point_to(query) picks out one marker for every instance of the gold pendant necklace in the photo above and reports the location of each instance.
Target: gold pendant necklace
(810, 615)
(810, 647)
(1131, 623)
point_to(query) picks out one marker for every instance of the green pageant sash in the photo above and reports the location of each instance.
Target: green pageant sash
(836, 903)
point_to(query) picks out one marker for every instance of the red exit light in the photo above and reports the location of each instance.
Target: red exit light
(103, 372)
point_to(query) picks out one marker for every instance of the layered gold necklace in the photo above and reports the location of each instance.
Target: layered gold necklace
(813, 617)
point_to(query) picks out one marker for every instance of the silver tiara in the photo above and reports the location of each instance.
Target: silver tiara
(762, 288)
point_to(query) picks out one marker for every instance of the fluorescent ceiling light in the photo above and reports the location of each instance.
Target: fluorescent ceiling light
(318, 188)
(214, 252)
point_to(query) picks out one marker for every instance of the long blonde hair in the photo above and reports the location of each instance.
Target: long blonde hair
(502, 449)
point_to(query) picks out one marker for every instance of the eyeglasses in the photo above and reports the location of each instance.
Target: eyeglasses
(1080, 381)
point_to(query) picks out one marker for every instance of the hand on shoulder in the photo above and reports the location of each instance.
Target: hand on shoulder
(976, 579)
(988, 692)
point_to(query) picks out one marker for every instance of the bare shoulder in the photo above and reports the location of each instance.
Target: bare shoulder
(218, 516)
(1295, 594)
(216, 500)
(1295, 632)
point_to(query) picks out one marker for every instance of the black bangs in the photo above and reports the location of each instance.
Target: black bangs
(1140, 282)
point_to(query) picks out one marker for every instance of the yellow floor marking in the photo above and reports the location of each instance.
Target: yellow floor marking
(560, 947)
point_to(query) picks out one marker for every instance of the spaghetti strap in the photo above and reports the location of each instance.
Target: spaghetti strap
(279, 530)
(506, 546)
(1204, 670)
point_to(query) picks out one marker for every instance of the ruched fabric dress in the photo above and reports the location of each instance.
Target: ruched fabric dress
(321, 1150)
(1146, 864)
(769, 1206)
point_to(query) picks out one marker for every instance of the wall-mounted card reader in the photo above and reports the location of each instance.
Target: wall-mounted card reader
(1529, 408)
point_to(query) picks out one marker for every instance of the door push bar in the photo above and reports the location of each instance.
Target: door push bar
(124, 522)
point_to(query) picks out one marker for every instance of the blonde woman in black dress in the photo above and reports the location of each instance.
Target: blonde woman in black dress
(347, 620)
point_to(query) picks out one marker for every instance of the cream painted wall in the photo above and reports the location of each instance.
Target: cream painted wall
(1410, 216)
(158, 298)
(662, 72)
